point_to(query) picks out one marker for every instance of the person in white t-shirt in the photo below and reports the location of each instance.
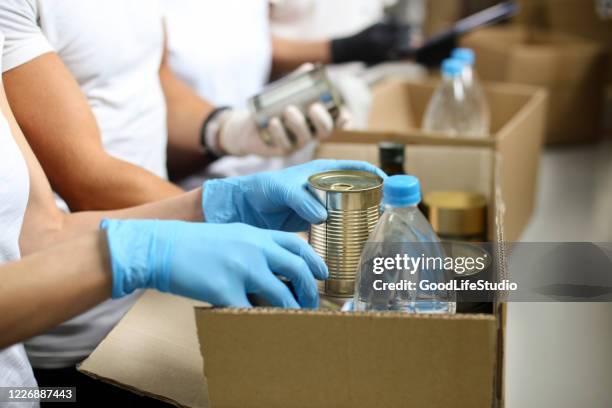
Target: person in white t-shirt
(15, 370)
(71, 266)
(107, 104)
(226, 52)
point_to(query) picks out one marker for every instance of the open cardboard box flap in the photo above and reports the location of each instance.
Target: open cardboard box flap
(154, 351)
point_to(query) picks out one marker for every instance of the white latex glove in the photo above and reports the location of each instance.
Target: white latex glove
(239, 134)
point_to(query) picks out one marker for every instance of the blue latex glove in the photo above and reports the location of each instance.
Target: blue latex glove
(215, 263)
(274, 200)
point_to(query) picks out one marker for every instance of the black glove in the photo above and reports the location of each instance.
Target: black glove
(380, 42)
(436, 49)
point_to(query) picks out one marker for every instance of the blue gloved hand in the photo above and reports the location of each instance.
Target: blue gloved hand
(215, 263)
(274, 200)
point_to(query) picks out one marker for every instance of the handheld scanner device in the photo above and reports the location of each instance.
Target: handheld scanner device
(301, 90)
(486, 17)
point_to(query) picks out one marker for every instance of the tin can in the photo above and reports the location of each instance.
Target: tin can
(298, 89)
(460, 216)
(352, 199)
(457, 215)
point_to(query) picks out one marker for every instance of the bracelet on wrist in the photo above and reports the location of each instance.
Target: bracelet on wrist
(209, 135)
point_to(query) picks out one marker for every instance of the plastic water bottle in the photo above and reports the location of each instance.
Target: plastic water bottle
(402, 233)
(471, 82)
(452, 110)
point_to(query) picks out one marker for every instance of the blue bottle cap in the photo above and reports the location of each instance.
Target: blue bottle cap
(466, 55)
(401, 191)
(452, 67)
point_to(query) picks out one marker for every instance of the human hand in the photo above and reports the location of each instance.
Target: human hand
(276, 200)
(384, 41)
(219, 264)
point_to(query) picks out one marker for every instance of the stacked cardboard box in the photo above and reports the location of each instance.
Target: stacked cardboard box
(578, 17)
(571, 68)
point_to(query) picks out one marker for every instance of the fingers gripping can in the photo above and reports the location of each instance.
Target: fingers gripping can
(352, 199)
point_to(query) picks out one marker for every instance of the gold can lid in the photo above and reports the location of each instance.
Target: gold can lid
(348, 181)
(456, 213)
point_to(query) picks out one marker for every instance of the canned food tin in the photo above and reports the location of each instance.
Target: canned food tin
(352, 199)
(298, 89)
(458, 215)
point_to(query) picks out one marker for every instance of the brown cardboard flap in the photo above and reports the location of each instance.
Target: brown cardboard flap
(398, 107)
(415, 137)
(279, 358)
(518, 164)
(470, 167)
(157, 341)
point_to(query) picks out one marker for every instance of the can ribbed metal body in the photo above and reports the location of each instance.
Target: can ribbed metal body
(352, 200)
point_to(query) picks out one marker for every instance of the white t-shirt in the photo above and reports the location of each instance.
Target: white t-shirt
(223, 50)
(320, 19)
(15, 370)
(113, 48)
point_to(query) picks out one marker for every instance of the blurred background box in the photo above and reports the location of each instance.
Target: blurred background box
(578, 17)
(440, 14)
(512, 151)
(571, 68)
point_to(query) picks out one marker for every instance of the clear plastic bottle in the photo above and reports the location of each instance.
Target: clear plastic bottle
(452, 110)
(402, 232)
(471, 82)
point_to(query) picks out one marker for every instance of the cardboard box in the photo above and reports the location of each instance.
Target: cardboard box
(578, 17)
(280, 358)
(517, 125)
(571, 69)
(154, 351)
(441, 14)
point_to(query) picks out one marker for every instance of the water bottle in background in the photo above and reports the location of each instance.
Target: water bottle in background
(471, 82)
(402, 232)
(451, 110)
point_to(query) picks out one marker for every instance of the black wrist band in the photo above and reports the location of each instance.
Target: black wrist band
(213, 152)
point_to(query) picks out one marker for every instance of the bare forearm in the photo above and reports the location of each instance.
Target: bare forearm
(63, 133)
(290, 54)
(186, 112)
(52, 286)
(42, 229)
(112, 184)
